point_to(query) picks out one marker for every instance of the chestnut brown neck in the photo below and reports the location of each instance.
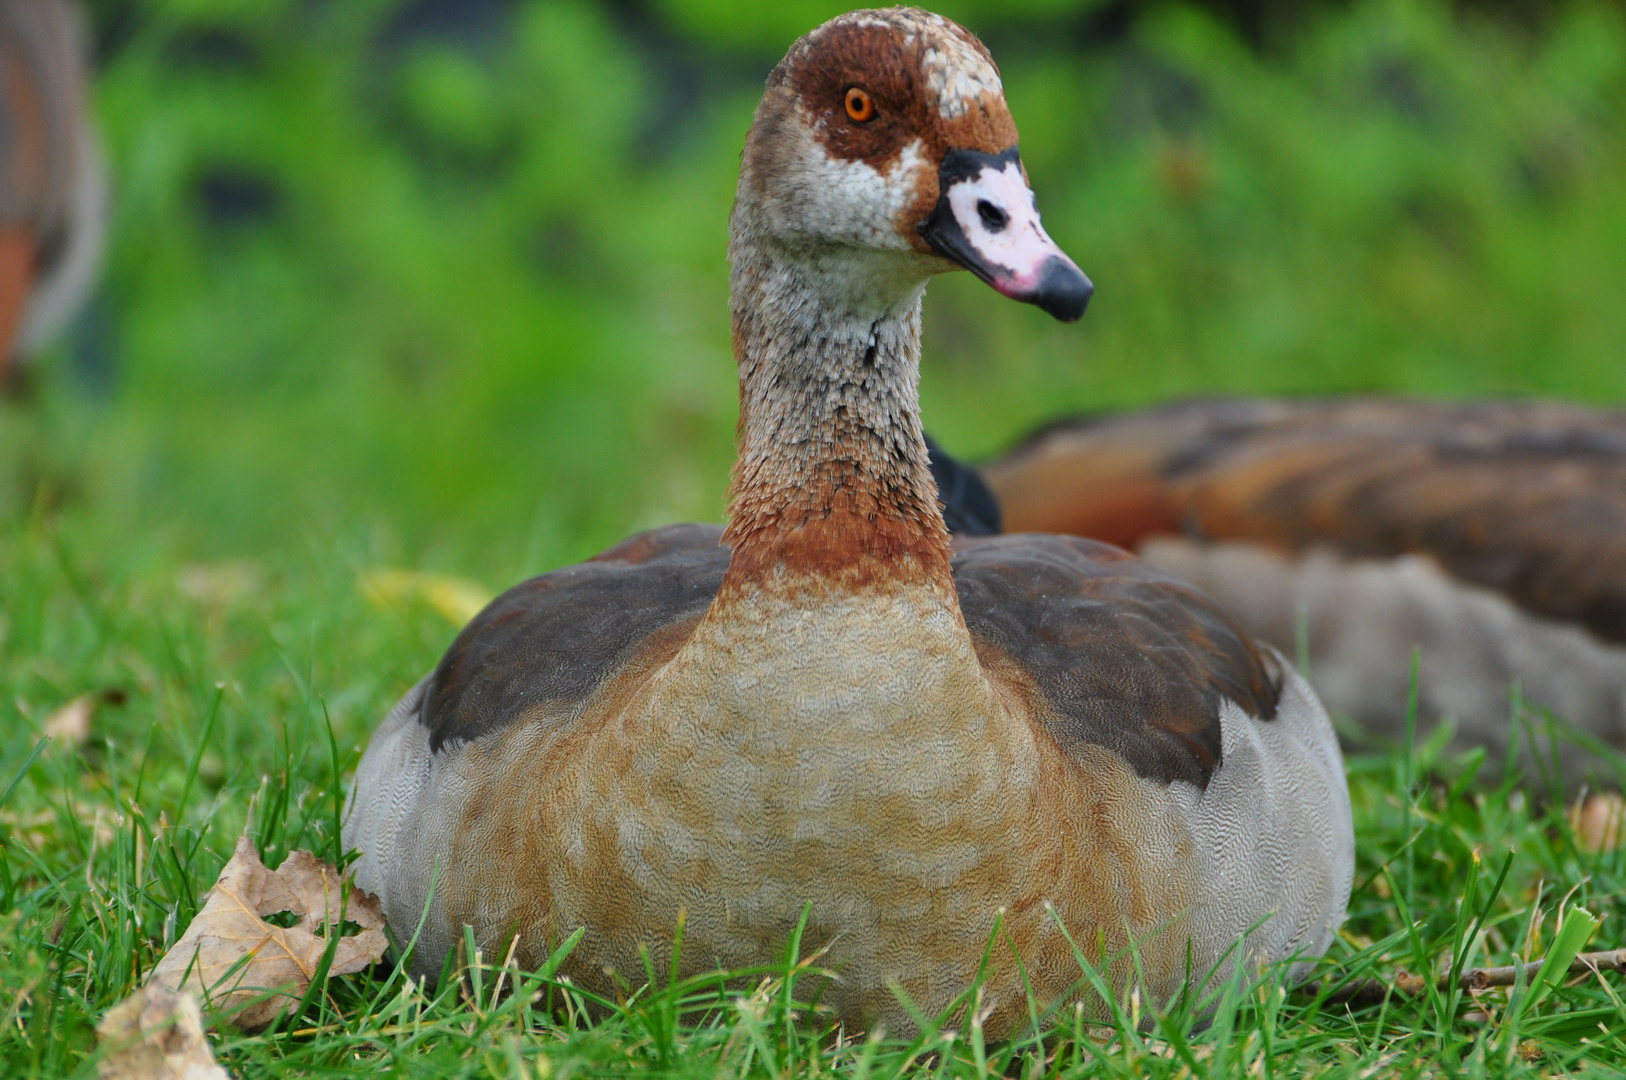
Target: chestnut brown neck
(832, 480)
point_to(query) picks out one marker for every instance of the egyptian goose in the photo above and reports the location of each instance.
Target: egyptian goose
(1490, 535)
(826, 704)
(52, 190)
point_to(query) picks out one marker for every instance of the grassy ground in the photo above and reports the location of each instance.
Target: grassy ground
(382, 298)
(218, 686)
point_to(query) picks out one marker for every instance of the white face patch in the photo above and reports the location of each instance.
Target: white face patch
(996, 213)
(840, 218)
(835, 201)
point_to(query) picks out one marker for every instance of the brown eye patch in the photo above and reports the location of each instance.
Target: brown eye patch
(862, 83)
(856, 86)
(860, 106)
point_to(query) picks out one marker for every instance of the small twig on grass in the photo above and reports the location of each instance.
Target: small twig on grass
(1373, 991)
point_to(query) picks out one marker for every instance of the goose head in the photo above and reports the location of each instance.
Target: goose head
(883, 153)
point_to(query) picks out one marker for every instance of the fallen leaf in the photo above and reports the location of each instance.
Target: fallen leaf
(456, 599)
(70, 725)
(155, 1035)
(231, 931)
(1597, 821)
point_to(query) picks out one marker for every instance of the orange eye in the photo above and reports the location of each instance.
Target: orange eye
(859, 105)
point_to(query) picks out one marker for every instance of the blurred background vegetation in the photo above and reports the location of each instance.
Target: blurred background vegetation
(444, 280)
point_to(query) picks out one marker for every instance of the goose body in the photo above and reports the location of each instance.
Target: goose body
(1491, 536)
(830, 706)
(52, 188)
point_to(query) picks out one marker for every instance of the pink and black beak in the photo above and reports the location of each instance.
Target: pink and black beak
(985, 220)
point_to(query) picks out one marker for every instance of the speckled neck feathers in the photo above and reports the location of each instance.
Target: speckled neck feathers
(832, 477)
(829, 268)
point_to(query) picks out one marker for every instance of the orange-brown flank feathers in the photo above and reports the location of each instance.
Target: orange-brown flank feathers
(1525, 498)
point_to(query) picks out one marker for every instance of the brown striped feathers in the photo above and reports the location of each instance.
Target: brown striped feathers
(1525, 498)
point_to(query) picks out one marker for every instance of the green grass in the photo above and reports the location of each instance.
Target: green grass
(465, 311)
(227, 678)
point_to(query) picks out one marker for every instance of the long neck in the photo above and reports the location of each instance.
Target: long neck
(832, 479)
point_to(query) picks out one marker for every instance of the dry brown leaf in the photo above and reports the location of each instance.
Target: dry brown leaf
(70, 725)
(232, 926)
(155, 1035)
(1597, 821)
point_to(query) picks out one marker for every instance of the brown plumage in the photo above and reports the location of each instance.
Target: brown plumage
(1108, 640)
(826, 706)
(51, 212)
(1124, 657)
(51, 198)
(1527, 498)
(1520, 500)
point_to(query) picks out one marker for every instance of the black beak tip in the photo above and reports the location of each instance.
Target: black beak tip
(1064, 291)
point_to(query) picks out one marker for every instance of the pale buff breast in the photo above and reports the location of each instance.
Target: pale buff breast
(907, 810)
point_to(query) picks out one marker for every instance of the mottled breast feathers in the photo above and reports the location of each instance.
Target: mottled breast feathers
(1117, 655)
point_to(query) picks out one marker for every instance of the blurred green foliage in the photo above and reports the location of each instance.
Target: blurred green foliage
(448, 280)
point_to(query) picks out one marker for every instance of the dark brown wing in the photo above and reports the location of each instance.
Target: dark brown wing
(556, 638)
(1125, 656)
(1525, 498)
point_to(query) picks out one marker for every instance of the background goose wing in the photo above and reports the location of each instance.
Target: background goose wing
(1525, 498)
